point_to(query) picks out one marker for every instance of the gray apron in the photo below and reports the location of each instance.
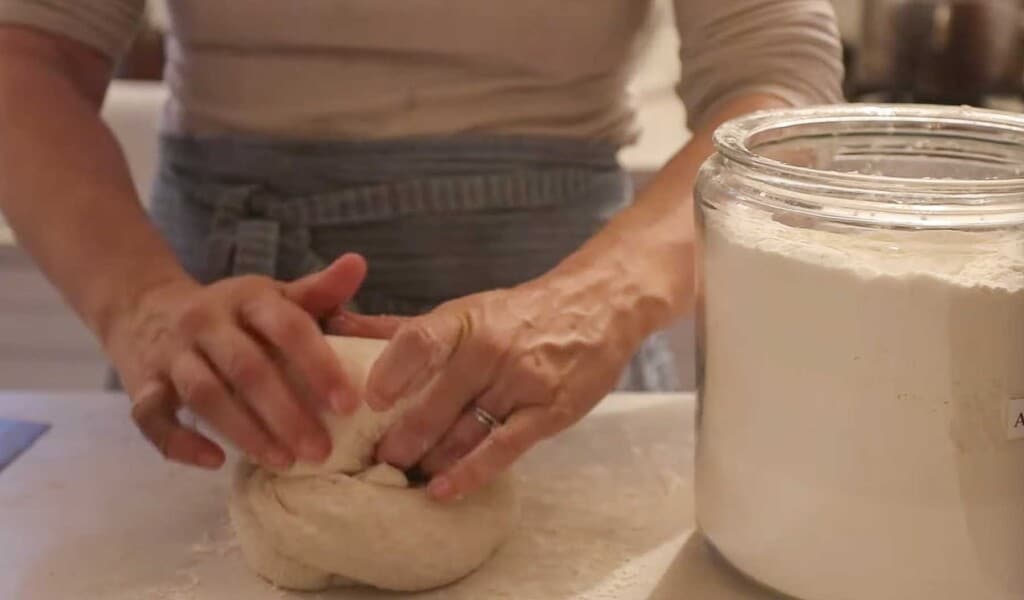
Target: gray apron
(436, 218)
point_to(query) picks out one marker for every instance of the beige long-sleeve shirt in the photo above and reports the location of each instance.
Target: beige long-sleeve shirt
(367, 69)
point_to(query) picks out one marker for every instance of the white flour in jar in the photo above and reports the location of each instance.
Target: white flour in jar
(856, 426)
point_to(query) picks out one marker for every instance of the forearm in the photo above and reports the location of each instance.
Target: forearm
(642, 262)
(66, 190)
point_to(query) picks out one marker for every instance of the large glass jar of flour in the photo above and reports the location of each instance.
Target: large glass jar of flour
(861, 423)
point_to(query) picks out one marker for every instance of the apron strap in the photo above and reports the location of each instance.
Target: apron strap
(257, 231)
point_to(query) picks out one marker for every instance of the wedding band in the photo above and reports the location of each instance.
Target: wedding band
(486, 418)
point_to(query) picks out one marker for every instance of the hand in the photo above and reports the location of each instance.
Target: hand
(537, 358)
(246, 355)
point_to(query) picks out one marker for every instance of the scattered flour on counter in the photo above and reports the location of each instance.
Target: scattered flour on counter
(853, 439)
(597, 499)
(218, 543)
(184, 587)
(186, 583)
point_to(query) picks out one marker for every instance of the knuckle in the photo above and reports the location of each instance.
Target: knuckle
(140, 414)
(144, 418)
(561, 416)
(194, 317)
(288, 326)
(417, 425)
(532, 379)
(489, 343)
(143, 412)
(198, 391)
(535, 375)
(243, 368)
(260, 303)
(264, 293)
(254, 282)
(416, 335)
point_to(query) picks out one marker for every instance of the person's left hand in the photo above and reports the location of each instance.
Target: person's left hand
(536, 357)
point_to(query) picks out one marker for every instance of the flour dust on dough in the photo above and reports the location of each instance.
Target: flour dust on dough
(352, 522)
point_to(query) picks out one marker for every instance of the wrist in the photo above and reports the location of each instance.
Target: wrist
(626, 299)
(642, 264)
(116, 301)
(653, 286)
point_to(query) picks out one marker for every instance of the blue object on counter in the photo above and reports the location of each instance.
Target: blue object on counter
(16, 437)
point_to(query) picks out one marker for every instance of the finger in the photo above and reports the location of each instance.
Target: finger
(205, 394)
(464, 435)
(526, 379)
(469, 430)
(416, 353)
(322, 293)
(366, 326)
(260, 384)
(436, 410)
(301, 346)
(497, 452)
(154, 412)
(520, 383)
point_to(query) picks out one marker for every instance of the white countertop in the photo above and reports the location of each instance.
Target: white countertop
(91, 512)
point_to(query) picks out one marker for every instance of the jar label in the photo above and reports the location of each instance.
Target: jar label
(1015, 419)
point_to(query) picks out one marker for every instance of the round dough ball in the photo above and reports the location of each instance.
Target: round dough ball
(349, 521)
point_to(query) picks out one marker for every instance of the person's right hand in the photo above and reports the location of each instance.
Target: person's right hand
(246, 355)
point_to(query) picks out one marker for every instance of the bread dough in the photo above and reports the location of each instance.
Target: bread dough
(350, 522)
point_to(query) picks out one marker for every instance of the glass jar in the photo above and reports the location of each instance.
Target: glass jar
(861, 352)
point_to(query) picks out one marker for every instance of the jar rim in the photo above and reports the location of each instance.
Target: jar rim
(733, 141)
(879, 198)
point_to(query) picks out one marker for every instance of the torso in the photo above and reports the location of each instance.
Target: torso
(367, 69)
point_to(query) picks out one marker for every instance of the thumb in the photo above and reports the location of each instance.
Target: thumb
(367, 326)
(321, 293)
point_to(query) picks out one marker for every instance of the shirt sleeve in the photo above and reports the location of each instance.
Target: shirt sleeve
(728, 48)
(106, 25)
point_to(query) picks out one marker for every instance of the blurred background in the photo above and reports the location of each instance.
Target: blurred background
(934, 51)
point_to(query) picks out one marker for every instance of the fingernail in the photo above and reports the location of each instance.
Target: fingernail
(279, 459)
(209, 459)
(315, 448)
(440, 487)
